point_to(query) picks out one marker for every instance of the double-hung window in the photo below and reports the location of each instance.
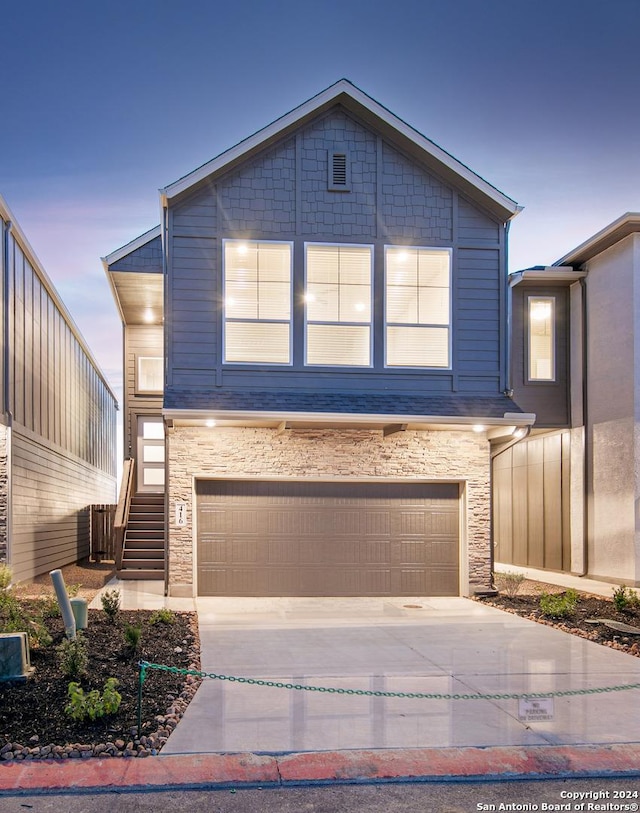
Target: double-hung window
(338, 304)
(257, 302)
(418, 307)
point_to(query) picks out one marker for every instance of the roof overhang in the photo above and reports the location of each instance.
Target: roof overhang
(139, 295)
(622, 227)
(378, 117)
(550, 275)
(223, 417)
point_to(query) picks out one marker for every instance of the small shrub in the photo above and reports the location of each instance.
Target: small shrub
(49, 607)
(624, 598)
(163, 616)
(73, 590)
(132, 637)
(559, 605)
(14, 617)
(90, 706)
(111, 603)
(39, 635)
(5, 576)
(72, 654)
(509, 582)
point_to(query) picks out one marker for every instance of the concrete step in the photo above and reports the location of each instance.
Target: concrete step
(142, 553)
(143, 562)
(146, 544)
(140, 573)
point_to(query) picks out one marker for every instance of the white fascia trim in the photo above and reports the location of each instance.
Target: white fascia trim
(549, 274)
(630, 221)
(119, 253)
(509, 418)
(325, 97)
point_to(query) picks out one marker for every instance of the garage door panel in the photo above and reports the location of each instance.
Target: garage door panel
(281, 538)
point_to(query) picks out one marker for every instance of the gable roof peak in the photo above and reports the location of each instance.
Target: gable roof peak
(371, 112)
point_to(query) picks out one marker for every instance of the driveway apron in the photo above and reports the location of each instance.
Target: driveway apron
(444, 646)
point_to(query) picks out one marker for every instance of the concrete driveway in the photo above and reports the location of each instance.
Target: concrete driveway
(434, 645)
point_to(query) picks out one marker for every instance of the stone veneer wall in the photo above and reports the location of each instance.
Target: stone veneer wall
(4, 493)
(353, 453)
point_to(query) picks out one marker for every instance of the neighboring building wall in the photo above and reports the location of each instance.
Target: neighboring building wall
(613, 397)
(52, 491)
(4, 493)
(62, 415)
(361, 454)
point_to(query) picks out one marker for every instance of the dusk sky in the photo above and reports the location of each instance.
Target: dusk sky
(105, 102)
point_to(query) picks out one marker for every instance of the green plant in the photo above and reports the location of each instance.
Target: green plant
(72, 654)
(624, 598)
(14, 617)
(73, 589)
(90, 706)
(49, 607)
(110, 600)
(5, 576)
(509, 582)
(559, 605)
(132, 637)
(163, 616)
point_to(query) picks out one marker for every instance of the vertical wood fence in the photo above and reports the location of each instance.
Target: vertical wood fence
(103, 538)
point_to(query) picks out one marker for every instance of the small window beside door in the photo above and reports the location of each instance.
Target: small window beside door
(150, 375)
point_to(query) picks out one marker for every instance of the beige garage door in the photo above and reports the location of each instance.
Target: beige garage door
(281, 538)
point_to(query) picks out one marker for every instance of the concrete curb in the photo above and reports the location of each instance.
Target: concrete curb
(321, 767)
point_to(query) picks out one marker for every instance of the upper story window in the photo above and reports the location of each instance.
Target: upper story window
(418, 307)
(541, 321)
(149, 374)
(257, 302)
(338, 304)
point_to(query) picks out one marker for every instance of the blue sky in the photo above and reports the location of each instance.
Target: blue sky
(105, 102)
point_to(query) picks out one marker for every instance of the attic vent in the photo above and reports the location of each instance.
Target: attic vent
(339, 174)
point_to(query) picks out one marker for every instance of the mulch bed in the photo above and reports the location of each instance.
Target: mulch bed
(33, 723)
(589, 607)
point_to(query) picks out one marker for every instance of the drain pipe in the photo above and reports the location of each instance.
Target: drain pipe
(587, 452)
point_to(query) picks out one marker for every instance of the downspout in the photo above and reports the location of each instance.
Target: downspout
(6, 381)
(508, 389)
(165, 264)
(586, 457)
(526, 431)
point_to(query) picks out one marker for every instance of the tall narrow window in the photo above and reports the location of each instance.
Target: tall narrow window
(338, 304)
(418, 309)
(542, 362)
(257, 302)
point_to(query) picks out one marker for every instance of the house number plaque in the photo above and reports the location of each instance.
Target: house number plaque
(181, 514)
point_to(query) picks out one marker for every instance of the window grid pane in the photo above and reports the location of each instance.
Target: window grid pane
(257, 302)
(338, 300)
(418, 307)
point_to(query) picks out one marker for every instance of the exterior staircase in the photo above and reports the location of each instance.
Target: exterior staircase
(143, 554)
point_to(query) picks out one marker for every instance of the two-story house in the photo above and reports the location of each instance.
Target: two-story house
(316, 361)
(566, 498)
(57, 418)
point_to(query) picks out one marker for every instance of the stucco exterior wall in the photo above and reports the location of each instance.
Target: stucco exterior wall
(613, 487)
(347, 453)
